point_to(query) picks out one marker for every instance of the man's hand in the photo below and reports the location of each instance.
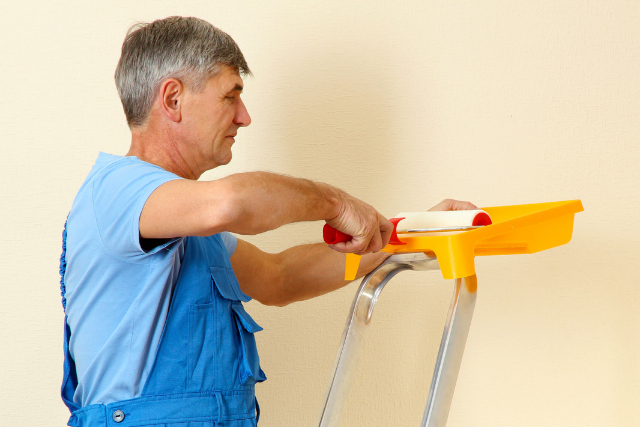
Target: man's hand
(453, 205)
(370, 231)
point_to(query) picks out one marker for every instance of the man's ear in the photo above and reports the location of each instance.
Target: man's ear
(171, 97)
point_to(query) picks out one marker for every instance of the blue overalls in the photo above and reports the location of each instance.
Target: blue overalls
(206, 364)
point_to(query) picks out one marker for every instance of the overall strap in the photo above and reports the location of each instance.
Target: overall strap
(63, 265)
(70, 379)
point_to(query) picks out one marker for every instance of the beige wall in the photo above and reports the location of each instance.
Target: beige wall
(402, 104)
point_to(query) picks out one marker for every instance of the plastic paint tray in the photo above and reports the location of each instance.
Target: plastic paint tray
(517, 229)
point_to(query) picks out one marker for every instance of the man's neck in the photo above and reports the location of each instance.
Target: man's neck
(161, 150)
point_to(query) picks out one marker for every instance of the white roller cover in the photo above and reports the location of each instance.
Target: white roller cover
(442, 219)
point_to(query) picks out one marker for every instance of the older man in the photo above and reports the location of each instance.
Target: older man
(152, 279)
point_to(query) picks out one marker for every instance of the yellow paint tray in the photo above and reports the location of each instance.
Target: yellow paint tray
(518, 229)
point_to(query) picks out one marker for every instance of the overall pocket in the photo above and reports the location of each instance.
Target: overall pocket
(248, 351)
(228, 285)
(242, 325)
(201, 344)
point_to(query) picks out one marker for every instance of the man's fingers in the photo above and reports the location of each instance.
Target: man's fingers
(370, 231)
(442, 206)
(453, 205)
(458, 205)
(386, 229)
(375, 244)
(356, 245)
(344, 247)
(376, 240)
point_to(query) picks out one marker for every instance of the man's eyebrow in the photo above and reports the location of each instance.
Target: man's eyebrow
(238, 87)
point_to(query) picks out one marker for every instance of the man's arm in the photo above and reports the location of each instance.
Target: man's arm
(296, 274)
(255, 202)
(305, 271)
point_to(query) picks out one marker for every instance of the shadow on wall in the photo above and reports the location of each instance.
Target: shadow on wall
(335, 121)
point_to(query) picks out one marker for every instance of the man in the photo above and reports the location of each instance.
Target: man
(152, 280)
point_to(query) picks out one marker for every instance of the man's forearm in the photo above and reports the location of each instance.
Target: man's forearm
(262, 201)
(309, 271)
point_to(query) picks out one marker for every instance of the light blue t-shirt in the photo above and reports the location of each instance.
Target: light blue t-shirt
(117, 294)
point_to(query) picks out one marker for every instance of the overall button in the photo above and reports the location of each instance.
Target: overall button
(118, 416)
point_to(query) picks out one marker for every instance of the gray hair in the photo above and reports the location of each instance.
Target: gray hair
(188, 49)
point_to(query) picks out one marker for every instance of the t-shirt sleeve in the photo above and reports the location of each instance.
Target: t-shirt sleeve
(120, 192)
(230, 242)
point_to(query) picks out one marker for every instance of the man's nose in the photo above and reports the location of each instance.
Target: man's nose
(242, 116)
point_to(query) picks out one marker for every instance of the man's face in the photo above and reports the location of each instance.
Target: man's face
(213, 116)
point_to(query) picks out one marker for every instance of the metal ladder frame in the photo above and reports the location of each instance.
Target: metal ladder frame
(450, 353)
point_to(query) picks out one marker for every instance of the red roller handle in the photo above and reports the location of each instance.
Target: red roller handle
(332, 236)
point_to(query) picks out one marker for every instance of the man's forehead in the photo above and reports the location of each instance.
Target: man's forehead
(228, 80)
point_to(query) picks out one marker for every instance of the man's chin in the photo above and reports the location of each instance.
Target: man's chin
(225, 160)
